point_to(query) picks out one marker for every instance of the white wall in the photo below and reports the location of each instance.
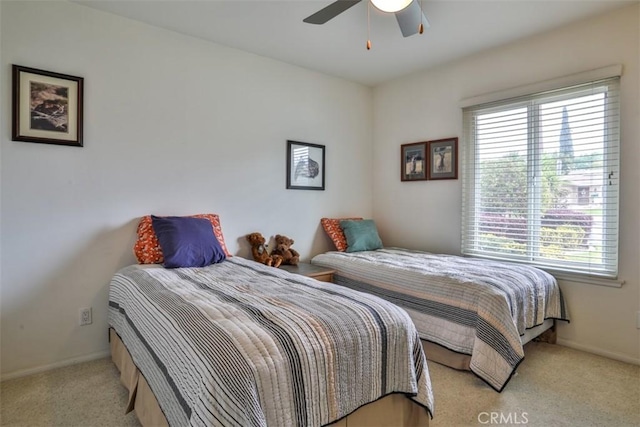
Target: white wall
(427, 215)
(173, 125)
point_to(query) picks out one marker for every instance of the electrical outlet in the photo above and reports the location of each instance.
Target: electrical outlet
(85, 316)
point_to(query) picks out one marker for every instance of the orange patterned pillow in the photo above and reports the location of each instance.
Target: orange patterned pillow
(147, 249)
(334, 231)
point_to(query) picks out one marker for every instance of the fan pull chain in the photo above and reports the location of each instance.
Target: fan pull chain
(368, 25)
(421, 27)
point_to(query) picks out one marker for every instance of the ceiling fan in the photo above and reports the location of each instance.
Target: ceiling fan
(409, 13)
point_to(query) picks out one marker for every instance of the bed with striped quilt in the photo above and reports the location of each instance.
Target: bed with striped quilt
(470, 306)
(241, 344)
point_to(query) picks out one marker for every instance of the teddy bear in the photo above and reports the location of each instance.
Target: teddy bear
(259, 251)
(283, 249)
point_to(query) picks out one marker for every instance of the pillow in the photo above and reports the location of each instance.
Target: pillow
(334, 231)
(361, 235)
(147, 249)
(187, 242)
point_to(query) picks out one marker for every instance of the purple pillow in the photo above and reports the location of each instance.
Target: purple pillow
(187, 241)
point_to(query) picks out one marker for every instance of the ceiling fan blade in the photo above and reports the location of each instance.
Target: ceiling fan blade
(410, 17)
(330, 12)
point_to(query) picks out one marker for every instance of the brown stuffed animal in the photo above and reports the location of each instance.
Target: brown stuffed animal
(260, 253)
(283, 249)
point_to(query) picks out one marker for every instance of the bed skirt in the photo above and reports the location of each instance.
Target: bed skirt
(439, 354)
(392, 410)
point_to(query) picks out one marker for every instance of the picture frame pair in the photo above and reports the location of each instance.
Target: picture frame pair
(429, 160)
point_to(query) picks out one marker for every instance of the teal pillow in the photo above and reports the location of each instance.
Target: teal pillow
(361, 235)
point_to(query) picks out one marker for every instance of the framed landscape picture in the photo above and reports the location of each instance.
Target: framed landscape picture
(413, 161)
(47, 107)
(443, 159)
(305, 166)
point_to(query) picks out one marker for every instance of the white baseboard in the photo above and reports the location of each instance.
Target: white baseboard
(61, 364)
(599, 351)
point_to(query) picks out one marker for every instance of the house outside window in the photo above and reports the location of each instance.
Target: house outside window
(583, 196)
(541, 178)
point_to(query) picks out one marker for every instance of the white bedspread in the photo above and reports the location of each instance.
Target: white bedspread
(239, 343)
(471, 306)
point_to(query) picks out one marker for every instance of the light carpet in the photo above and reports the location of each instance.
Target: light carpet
(554, 386)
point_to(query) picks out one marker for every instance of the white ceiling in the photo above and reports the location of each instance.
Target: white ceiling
(275, 29)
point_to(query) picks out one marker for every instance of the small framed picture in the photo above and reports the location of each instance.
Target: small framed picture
(443, 159)
(413, 161)
(305, 166)
(47, 107)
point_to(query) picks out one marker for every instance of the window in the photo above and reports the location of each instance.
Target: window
(541, 179)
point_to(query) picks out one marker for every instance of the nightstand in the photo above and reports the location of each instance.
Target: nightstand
(322, 274)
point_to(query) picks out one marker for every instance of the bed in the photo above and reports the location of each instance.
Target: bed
(239, 343)
(473, 314)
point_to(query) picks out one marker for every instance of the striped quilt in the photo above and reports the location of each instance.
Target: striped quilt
(242, 344)
(468, 305)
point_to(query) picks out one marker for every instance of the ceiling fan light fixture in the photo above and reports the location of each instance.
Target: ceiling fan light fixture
(391, 5)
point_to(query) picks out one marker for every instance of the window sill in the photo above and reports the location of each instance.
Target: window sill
(587, 280)
(562, 276)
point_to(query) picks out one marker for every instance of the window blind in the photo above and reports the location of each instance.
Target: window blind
(541, 179)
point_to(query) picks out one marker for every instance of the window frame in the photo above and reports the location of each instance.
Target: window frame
(560, 90)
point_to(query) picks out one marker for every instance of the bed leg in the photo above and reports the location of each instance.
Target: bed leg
(549, 336)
